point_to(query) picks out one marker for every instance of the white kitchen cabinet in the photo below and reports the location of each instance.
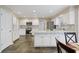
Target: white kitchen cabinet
(5, 29)
(72, 15)
(15, 28)
(57, 21)
(42, 40)
(23, 21)
(67, 18)
(47, 39)
(35, 21)
(52, 39)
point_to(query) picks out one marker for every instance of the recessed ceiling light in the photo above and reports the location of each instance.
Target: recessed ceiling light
(34, 11)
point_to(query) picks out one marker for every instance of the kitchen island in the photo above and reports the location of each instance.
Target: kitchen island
(47, 38)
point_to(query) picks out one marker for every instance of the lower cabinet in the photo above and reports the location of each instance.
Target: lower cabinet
(53, 41)
(44, 40)
(47, 39)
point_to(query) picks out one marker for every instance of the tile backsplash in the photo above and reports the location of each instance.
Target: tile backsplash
(66, 27)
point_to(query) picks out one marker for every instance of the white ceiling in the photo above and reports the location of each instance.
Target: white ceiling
(36, 10)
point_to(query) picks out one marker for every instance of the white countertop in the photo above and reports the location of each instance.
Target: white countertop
(53, 31)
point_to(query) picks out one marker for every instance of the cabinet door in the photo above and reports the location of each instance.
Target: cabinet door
(52, 40)
(38, 41)
(46, 40)
(72, 15)
(15, 28)
(3, 30)
(6, 30)
(42, 40)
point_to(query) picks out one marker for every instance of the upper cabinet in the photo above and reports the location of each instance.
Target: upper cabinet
(57, 21)
(23, 21)
(72, 15)
(67, 18)
(35, 21)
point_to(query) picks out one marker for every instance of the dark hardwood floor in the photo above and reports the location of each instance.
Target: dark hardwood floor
(25, 45)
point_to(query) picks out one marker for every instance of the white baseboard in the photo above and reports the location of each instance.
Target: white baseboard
(5, 46)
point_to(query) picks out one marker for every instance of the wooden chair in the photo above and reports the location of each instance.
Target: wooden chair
(69, 37)
(62, 48)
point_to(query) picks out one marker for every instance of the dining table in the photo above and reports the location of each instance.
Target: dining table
(74, 46)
